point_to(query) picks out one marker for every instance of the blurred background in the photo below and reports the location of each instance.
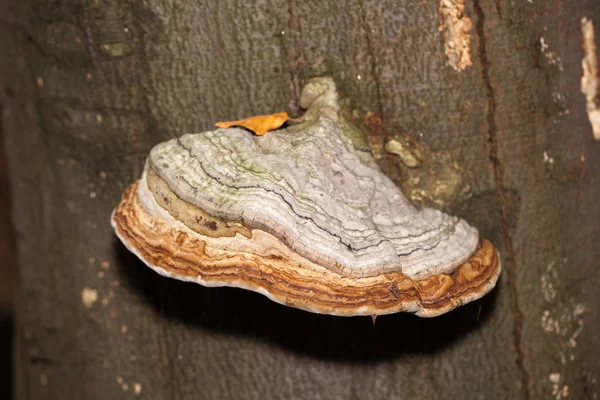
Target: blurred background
(8, 277)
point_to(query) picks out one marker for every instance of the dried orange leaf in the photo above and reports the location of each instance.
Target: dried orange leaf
(260, 124)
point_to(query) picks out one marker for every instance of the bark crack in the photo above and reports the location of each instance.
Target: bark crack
(492, 137)
(366, 28)
(294, 103)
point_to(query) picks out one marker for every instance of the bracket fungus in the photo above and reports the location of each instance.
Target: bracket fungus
(302, 215)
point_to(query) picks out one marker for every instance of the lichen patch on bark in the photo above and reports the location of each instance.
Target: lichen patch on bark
(456, 25)
(428, 178)
(590, 81)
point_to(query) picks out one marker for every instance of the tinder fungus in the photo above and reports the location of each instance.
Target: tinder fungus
(302, 215)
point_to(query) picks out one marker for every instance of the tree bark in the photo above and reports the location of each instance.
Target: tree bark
(90, 86)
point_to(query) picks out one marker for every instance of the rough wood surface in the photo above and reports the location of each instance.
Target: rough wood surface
(8, 267)
(90, 87)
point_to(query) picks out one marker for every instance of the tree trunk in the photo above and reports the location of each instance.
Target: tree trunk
(90, 86)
